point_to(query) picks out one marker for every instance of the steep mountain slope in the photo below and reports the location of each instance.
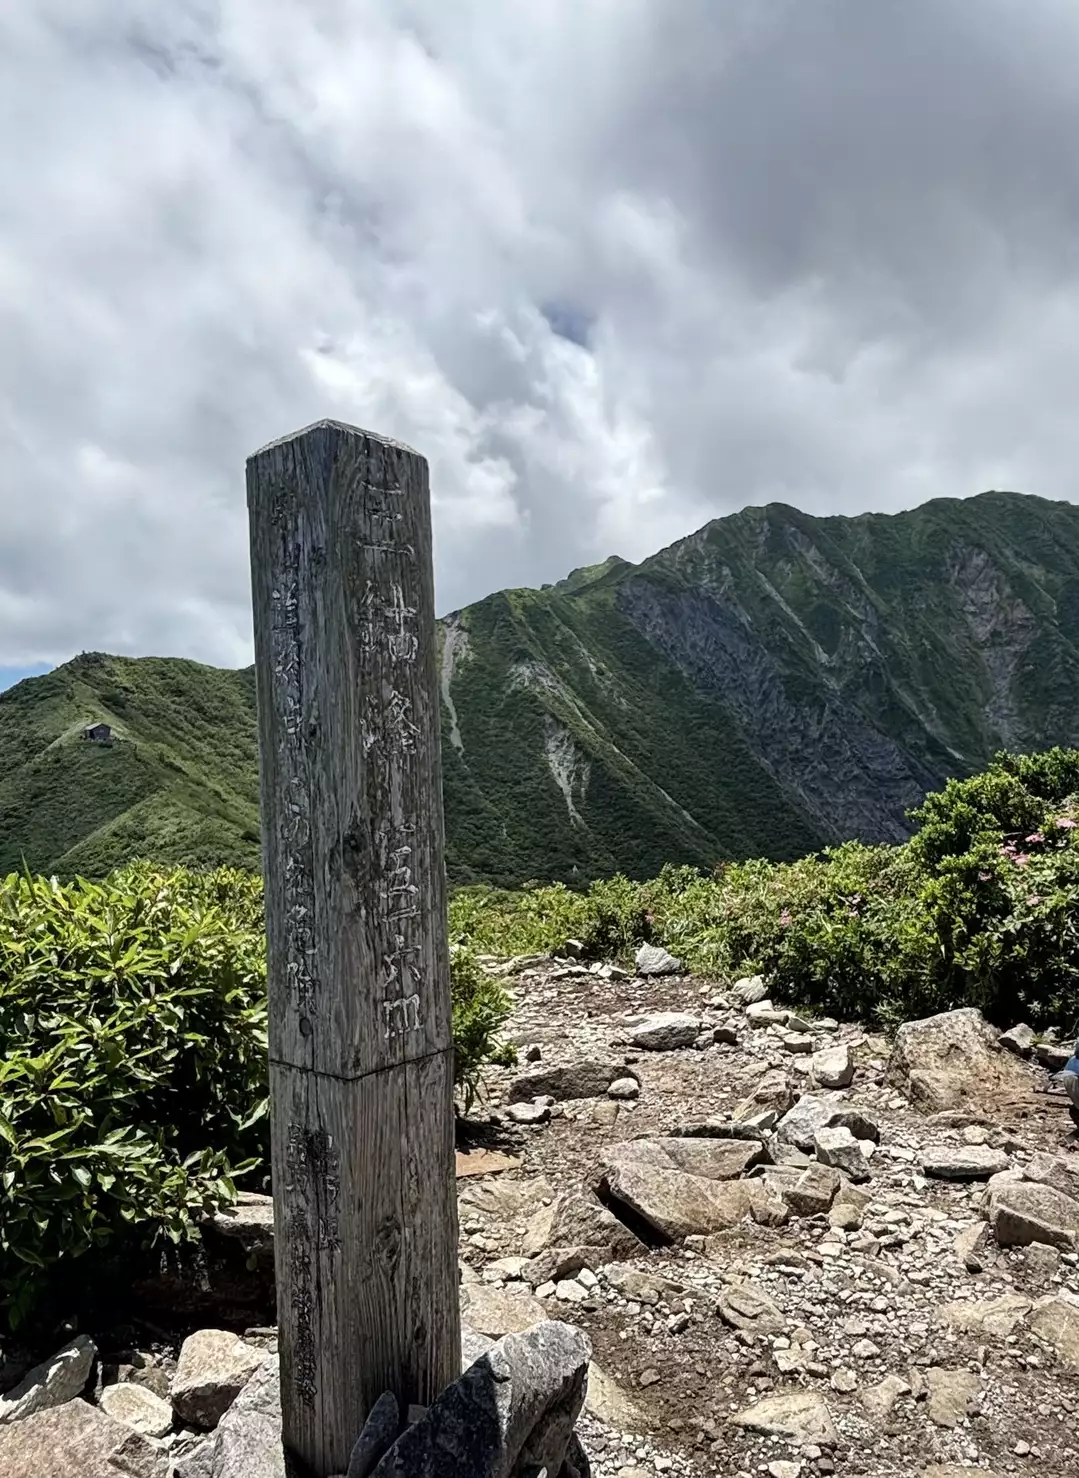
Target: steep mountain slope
(784, 681)
(771, 684)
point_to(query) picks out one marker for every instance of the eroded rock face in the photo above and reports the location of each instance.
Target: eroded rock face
(953, 1061)
(575, 1219)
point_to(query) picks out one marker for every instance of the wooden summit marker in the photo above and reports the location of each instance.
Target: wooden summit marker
(361, 1057)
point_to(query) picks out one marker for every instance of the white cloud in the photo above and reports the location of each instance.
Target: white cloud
(615, 267)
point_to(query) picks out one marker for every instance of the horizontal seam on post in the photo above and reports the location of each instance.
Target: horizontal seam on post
(358, 1077)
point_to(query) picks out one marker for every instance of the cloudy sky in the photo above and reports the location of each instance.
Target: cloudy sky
(615, 266)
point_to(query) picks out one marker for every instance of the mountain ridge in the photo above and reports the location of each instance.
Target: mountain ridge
(770, 684)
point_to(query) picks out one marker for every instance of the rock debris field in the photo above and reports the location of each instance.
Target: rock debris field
(791, 1248)
(880, 1277)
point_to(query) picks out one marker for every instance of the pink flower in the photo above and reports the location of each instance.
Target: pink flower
(1021, 859)
(785, 918)
(1036, 837)
(1034, 900)
(1066, 822)
(984, 877)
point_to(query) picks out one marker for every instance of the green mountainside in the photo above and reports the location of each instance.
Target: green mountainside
(771, 684)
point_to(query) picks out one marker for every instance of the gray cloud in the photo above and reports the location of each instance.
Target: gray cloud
(616, 269)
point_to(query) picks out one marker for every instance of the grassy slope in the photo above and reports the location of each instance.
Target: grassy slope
(179, 783)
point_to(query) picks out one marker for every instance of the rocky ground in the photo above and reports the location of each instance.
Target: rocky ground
(795, 1248)
(882, 1334)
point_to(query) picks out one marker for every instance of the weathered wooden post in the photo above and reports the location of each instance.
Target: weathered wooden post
(361, 1059)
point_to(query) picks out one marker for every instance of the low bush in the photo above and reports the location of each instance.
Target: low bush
(133, 1084)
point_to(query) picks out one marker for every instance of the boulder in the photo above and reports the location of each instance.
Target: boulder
(247, 1443)
(575, 1219)
(572, 1080)
(624, 1088)
(963, 1161)
(799, 1416)
(1022, 1212)
(744, 1307)
(774, 1091)
(749, 989)
(995, 1317)
(1055, 1321)
(838, 1148)
(513, 1411)
(763, 1013)
(848, 1208)
(137, 1408)
(528, 1113)
(832, 1067)
(953, 1061)
(498, 1311)
(213, 1368)
(1055, 1171)
(664, 1032)
(950, 1394)
(608, 1402)
(682, 1187)
(380, 1432)
(800, 1124)
(76, 1440)
(1053, 1055)
(814, 1191)
(878, 1400)
(51, 1383)
(652, 960)
(1019, 1040)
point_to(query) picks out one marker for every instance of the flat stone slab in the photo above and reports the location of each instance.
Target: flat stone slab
(963, 1161)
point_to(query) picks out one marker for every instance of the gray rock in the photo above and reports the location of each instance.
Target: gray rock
(571, 1080)
(498, 1311)
(799, 1416)
(774, 1090)
(665, 1032)
(953, 1061)
(838, 1148)
(800, 1124)
(1055, 1171)
(744, 1307)
(213, 1368)
(247, 1443)
(683, 1187)
(652, 960)
(1019, 1040)
(763, 1013)
(831, 1068)
(575, 1219)
(950, 1394)
(1052, 1055)
(249, 1222)
(380, 1432)
(963, 1161)
(798, 1043)
(749, 989)
(52, 1383)
(137, 1408)
(813, 1192)
(528, 1113)
(1022, 1212)
(511, 1412)
(624, 1088)
(76, 1440)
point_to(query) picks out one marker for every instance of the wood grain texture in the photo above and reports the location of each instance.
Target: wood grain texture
(361, 1061)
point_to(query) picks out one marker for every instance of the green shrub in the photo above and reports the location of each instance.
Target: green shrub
(132, 1086)
(133, 1031)
(480, 1008)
